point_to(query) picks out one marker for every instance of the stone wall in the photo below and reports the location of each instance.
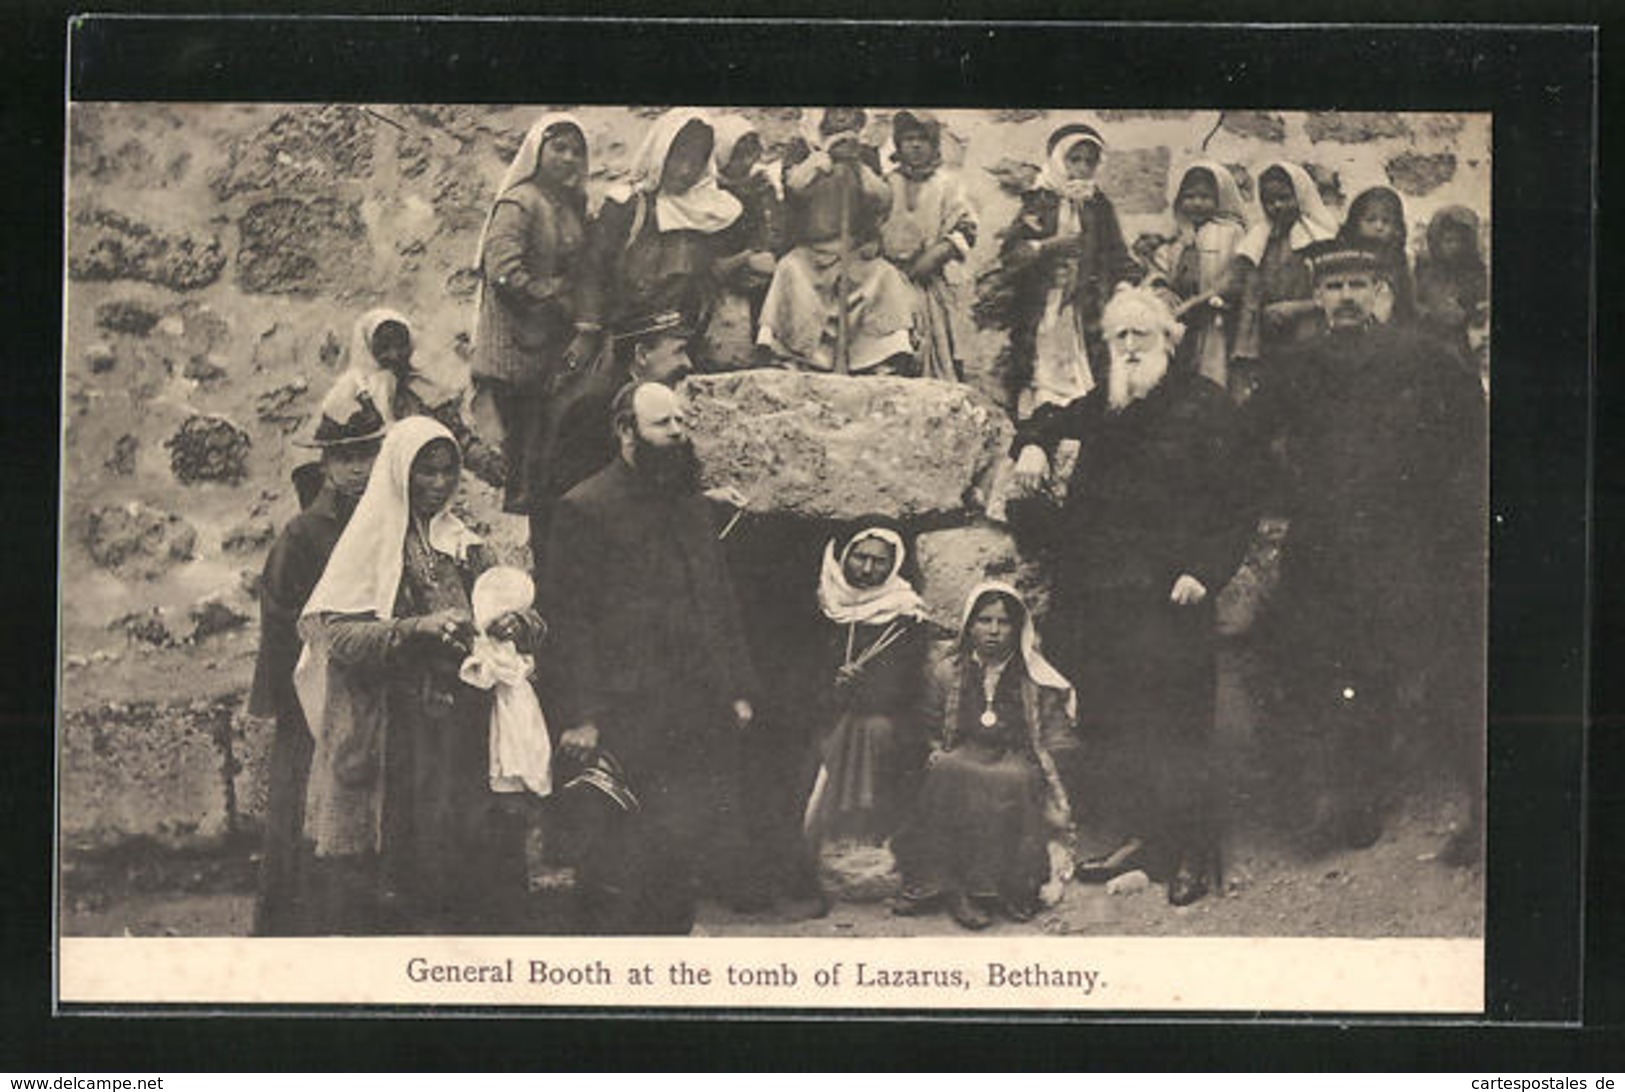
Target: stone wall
(218, 254)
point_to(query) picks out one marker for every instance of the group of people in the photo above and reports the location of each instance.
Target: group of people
(433, 709)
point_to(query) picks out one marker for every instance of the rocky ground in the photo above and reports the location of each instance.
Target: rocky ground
(1271, 886)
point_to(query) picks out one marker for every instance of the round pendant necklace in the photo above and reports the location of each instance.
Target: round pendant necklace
(989, 717)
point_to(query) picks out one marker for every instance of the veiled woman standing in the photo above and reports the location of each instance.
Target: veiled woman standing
(1197, 268)
(408, 835)
(529, 262)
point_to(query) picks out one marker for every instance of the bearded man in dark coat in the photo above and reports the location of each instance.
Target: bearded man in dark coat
(1152, 526)
(1379, 436)
(328, 491)
(659, 673)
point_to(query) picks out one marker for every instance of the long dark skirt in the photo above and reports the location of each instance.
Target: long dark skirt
(284, 908)
(978, 828)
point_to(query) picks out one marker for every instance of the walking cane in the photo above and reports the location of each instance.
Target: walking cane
(842, 321)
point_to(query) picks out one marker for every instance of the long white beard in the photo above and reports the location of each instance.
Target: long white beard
(1125, 385)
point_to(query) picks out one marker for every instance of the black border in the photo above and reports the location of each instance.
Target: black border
(1536, 82)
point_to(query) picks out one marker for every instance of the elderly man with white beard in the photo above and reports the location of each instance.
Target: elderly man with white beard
(1153, 524)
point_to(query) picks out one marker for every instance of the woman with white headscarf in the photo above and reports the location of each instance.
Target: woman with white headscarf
(992, 800)
(407, 834)
(529, 260)
(874, 745)
(657, 239)
(1277, 304)
(1196, 272)
(1059, 261)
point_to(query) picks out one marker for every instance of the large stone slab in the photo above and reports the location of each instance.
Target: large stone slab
(144, 768)
(837, 447)
(954, 560)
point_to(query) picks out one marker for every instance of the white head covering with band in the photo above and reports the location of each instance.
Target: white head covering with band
(1314, 223)
(704, 207)
(363, 575)
(1055, 176)
(1040, 670)
(892, 598)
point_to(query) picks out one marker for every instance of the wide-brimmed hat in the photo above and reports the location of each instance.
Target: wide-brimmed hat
(364, 425)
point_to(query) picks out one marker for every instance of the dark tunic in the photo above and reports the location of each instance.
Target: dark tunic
(728, 336)
(1089, 274)
(532, 270)
(978, 827)
(1282, 276)
(1156, 493)
(649, 636)
(1382, 473)
(292, 569)
(632, 269)
(874, 744)
(452, 857)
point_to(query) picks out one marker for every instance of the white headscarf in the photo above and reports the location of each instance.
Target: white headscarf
(704, 207)
(1314, 224)
(729, 130)
(363, 575)
(1055, 176)
(363, 374)
(1040, 670)
(891, 598)
(1231, 207)
(520, 170)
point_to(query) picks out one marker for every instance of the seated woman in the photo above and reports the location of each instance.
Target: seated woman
(658, 241)
(835, 304)
(408, 835)
(753, 243)
(991, 800)
(874, 745)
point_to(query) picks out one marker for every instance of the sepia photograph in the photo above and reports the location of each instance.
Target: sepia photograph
(630, 553)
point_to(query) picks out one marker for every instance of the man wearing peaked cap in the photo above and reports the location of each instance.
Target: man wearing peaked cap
(1380, 463)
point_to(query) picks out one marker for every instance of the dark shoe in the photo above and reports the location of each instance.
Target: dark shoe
(1186, 886)
(913, 906)
(1125, 858)
(969, 915)
(1019, 910)
(1362, 827)
(1196, 876)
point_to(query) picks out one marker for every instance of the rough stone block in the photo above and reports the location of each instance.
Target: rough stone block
(104, 245)
(1255, 124)
(954, 560)
(1354, 127)
(126, 317)
(299, 151)
(145, 769)
(292, 246)
(1136, 179)
(1414, 174)
(208, 449)
(136, 541)
(250, 768)
(837, 447)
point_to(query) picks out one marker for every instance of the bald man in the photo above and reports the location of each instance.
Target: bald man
(659, 673)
